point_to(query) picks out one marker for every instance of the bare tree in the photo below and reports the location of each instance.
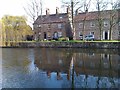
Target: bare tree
(76, 6)
(33, 9)
(86, 7)
(113, 20)
(117, 4)
(73, 7)
(101, 5)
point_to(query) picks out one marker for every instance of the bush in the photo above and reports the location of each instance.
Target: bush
(63, 39)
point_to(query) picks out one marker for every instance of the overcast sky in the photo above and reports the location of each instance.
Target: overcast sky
(15, 7)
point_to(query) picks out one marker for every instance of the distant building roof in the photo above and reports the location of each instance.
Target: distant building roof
(92, 15)
(63, 17)
(52, 18)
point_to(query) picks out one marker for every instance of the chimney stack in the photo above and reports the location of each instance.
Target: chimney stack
(68, 10)
(57, 10)
(47, 11)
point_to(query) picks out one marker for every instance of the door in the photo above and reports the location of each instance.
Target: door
(55, 35)
(106, 35)
(45, 35)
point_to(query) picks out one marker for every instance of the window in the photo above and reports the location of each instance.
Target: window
(60, 61)
(49, 26)
(80, 35)
(92, 33)
(119, 23)
(80, 25)
(48, 34)
(38, 26)
(59, 26)
(59, 34)
(105, 23)
(106, 56)
(60, 17)
(92, 24)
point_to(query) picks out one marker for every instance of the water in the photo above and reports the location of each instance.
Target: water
(60, 68)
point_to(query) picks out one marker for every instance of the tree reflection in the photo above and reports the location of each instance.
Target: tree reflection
(79, 64)
(60, 67)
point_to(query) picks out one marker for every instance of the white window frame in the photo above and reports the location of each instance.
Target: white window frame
(105, 23)
(59, 26)
(119, 23)
(104, 34)
(105, 56)
(48, 34)
(59, 34)
(80, 25)
(92, 33)
(60, 17)
(92, 24)
(39, 26)
(80, 33)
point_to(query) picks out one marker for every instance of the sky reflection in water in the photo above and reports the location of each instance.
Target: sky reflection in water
(57, 68)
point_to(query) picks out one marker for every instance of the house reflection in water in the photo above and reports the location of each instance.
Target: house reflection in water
(86, 62)
(53, 61)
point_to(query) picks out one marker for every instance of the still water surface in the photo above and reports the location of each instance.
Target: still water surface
(60, 68)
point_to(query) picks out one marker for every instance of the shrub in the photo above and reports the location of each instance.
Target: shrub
(64, 39)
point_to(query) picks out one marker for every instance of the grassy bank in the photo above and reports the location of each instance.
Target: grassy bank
(63, 44)
(63, 41)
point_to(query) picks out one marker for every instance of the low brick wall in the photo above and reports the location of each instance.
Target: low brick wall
(99, 45)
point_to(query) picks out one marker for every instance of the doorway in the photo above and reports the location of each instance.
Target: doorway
(55, 35)
(106, 35)
(45, 35)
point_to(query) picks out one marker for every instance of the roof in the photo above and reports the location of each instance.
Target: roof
(93, 15)
(63, 17)
(52, 18)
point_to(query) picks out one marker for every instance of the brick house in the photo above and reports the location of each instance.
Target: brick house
(53, 26)
(85, 62)
(91, 24)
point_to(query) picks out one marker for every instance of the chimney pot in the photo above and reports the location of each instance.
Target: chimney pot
(57, 10)
(68, 10)
(47, 11)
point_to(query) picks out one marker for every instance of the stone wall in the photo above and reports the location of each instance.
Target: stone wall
(99, 45)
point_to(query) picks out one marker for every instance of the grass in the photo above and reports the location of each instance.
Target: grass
(89, 41)
(68, 41)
